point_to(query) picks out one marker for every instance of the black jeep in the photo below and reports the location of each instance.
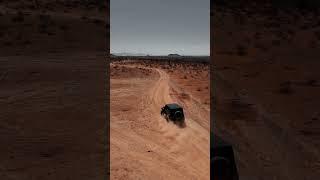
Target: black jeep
(172, 112)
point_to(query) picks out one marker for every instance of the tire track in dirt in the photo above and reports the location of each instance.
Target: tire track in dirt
(186, 150)
(160, 95)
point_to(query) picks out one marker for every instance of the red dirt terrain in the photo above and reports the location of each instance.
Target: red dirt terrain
(143, 145)
(266, 90)
(52, 97)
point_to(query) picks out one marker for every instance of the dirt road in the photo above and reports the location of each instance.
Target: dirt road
(143, 144)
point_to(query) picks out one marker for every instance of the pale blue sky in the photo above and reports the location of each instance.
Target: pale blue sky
(160, 27)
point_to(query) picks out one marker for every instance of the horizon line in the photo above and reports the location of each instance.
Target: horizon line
(146, 54)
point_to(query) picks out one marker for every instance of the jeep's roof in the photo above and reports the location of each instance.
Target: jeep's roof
(173, 106)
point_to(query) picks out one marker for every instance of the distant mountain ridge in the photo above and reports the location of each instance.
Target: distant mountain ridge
(142, 54)
(129, 54)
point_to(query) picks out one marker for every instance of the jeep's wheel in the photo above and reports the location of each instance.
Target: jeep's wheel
(178, 115)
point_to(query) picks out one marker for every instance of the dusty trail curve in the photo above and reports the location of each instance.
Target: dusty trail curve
(178, 153)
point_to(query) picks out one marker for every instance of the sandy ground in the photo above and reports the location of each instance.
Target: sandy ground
(143, 144)
(52, 91)
(46, 130)
(55, 27)
(266, 84)
(266, 90)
